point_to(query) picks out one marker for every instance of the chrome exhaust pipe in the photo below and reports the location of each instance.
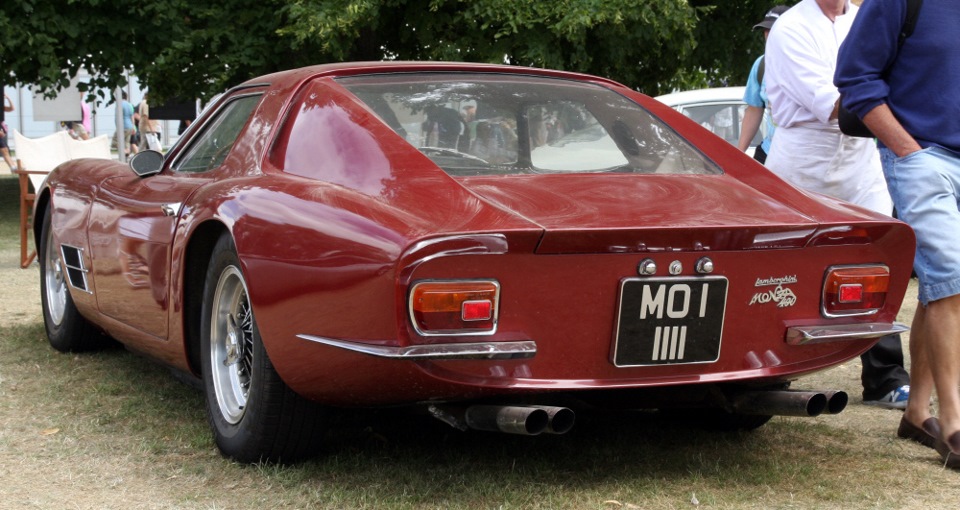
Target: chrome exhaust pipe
(528, 421)
(560, 419)
(836, 401)
(782, 403)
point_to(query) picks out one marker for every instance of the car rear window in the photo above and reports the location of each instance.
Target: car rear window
(482, 124)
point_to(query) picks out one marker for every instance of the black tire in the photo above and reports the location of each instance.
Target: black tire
(254, 415)
(67, 330)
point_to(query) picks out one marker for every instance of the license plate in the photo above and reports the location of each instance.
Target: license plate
(669, 321)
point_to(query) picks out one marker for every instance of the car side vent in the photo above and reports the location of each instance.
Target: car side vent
(76, 272)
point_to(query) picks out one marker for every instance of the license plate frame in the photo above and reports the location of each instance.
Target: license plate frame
(669, 321)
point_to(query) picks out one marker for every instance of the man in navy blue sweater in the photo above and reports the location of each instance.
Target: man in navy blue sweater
(909, 96)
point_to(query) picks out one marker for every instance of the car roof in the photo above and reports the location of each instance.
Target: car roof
(724, 94)
(375, 67)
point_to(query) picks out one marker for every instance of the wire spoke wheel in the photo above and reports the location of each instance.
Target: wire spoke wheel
(254, 415)
(231, 345)
(55, 287)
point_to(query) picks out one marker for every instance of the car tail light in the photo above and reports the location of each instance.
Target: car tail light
(454, 307)
(854, 290)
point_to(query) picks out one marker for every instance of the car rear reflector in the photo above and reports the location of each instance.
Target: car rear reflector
(454, 307)
(851, 293)
(854, 290)
(481, 310)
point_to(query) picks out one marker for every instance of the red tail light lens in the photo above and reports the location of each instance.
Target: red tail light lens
(454, 307)
(850, 293)
(854, 290)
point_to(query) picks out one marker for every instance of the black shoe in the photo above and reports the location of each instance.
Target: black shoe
(949, 449)
(926, 434)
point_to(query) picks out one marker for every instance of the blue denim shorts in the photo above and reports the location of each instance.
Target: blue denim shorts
(925, 187)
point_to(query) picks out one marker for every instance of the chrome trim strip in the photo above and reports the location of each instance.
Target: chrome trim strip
(481, 350)
(805, 335)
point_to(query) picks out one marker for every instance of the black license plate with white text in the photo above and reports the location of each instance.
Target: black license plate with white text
(669, 321)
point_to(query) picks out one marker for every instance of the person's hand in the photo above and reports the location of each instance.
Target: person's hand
(904, 151)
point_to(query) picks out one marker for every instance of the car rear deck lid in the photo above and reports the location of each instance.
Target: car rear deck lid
(590, 213)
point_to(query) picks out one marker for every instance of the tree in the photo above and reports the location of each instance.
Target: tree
(45, 43)
(182, 48)
(637, 42)
(179, 48)
(727, 45)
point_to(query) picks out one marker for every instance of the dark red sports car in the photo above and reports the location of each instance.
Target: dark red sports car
(495, 245)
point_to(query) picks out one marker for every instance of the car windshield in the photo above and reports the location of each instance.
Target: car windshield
(480, 124)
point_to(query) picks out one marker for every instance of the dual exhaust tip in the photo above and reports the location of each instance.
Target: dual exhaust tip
(523, 420)
(790, 403)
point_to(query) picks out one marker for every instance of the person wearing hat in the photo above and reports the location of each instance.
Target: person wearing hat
(756, 95)
(813, 154)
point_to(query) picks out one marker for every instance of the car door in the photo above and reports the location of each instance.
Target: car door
(133, 220)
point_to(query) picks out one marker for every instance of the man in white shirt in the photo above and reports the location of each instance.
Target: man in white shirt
(801, 56)
(811, 153)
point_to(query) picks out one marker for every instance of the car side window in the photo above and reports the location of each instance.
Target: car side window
(723, 120)
(214, 143)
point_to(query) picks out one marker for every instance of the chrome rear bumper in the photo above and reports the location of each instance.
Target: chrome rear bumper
(478, 350)
(803, 335)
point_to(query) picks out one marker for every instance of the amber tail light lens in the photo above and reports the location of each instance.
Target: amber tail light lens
(454, 307)
(854, 290)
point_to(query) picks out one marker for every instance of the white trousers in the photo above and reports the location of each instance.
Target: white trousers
(829, 162)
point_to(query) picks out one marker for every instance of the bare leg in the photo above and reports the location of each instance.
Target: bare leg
(940, 334)
(7, 159)
(921, 379)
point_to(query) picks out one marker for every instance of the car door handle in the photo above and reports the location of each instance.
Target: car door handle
(171, 209)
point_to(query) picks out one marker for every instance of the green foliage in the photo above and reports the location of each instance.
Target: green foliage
(182, 48)
(637, 42)
(727, 43)
(45, 43)
(222, 44)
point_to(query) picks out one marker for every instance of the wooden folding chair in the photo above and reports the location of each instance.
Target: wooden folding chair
(36, 157)
(27, 198)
